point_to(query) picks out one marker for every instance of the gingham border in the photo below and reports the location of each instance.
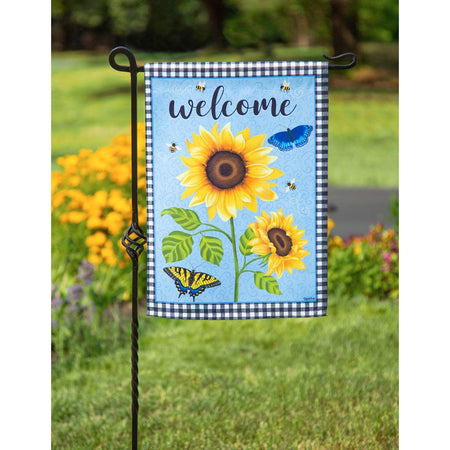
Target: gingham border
(239, 311)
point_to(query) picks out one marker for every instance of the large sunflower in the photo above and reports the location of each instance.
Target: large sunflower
(275, 236)
(228, 172)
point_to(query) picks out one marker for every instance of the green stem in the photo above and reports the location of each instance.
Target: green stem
(236, 263)
(203, 231)
(249, 262)
(214, 228)
(248, 271)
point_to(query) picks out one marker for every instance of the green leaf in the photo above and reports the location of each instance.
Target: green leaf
(266, 282)
(186, 218)
(211, 249)
(177, 246)
(243, 241)
(265, 260)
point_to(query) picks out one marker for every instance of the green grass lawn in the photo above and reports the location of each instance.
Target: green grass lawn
(90, 105)
(278, 384)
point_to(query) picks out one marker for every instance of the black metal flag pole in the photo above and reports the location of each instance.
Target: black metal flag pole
(134, 239)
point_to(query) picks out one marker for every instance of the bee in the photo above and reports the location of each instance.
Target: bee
(173, 147)
(291, 186)
(201, 86)
(285, 86)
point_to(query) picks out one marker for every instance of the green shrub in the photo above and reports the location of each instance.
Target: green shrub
(364, 265)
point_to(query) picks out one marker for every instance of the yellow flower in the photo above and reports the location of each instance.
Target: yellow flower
(100, 199)
(120, 204)
(142, 183)
(357, 249)
(74, 180)
(78, 199)
(58, 198)
(75, 216)
(84, 153)
(108, 254)
(228, 172)
(69, 163)
(74, 204)
(142, 215)
(95, 222)
(330, 226)
(97, 239)
(94, 259)
(57, 178)
(275, 236)
(121, 174)
(114, 222)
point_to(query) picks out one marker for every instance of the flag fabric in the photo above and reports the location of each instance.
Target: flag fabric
(236, 189)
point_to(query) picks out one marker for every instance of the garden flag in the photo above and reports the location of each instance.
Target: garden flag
(237, 189)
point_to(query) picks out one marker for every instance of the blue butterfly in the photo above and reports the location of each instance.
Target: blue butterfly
(287, 140)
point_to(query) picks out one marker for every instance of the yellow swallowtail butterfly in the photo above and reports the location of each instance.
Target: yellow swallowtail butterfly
(189, 281)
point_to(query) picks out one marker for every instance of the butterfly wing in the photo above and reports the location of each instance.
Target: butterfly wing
(281, 140)
(201, 282)
(181, 277)
(300, 134)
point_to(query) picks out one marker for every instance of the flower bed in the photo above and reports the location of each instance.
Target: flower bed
(364, 265)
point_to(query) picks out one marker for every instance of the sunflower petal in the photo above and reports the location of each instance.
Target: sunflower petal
(229, 203)
(265, 194)
(188, 192)
(245, 133)
(276, 173)
(215, 131)
(239, 144)
(222, 209)
(287, 222)
(211, 197)
(226, 138)
(279, 270)
(255, 141)
(258, 170)
(274, 261)
(199, 197)
(210, 141)
(212, 210)
(190, 162)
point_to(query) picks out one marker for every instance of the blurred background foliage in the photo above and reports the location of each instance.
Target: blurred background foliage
(186, 25)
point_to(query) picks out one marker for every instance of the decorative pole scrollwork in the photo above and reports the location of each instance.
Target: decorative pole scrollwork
(341, 66)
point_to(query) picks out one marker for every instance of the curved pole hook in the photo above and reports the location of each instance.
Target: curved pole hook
(341, 66)
(132, 68)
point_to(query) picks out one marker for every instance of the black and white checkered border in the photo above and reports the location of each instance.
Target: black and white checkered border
(239, 311)
(235, 69)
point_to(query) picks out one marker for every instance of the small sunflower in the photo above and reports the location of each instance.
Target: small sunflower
(275, 236)
(228, 172)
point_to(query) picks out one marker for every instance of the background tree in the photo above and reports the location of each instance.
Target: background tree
(216, 17)
(185, 25)
(344, 26)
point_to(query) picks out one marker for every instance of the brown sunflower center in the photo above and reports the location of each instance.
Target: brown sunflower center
(281, 241)
(225, 169)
